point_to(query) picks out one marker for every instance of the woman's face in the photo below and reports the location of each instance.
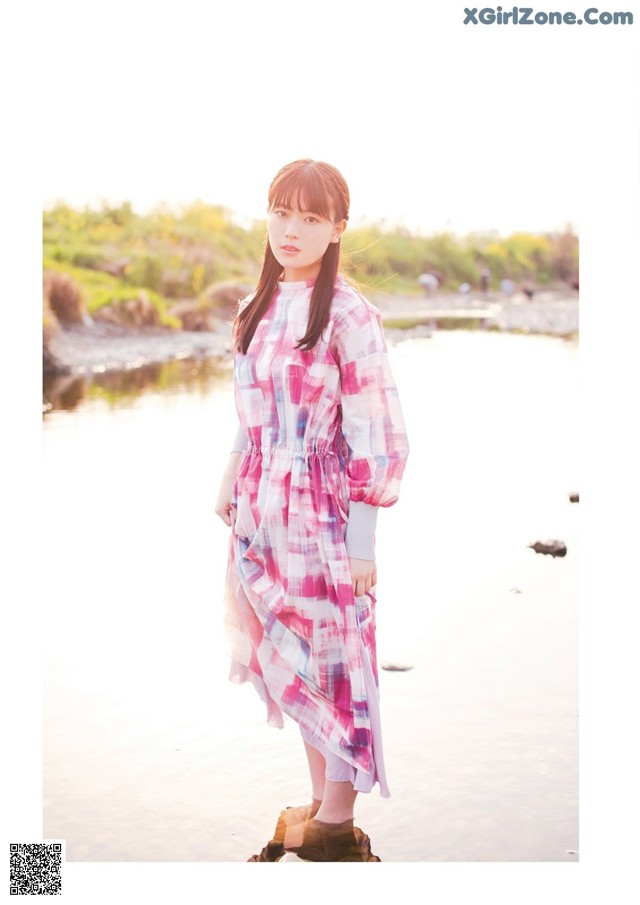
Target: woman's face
(299, 239)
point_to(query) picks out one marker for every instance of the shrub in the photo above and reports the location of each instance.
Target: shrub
(139, 307)
(87, 258)
(144, 271)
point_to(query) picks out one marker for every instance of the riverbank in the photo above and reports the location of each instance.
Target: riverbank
(549, 312)
(95, 349)
(82, 350)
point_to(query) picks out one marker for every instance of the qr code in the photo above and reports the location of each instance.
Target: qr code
(35, 869)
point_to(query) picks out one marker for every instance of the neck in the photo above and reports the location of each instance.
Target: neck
(297, 274)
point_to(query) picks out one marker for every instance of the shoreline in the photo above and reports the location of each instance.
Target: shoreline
(84, 350)
(548, 313)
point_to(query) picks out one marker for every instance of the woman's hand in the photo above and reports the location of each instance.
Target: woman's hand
(223, 507)
(363, 575)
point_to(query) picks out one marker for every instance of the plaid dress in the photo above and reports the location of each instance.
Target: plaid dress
(324, 427)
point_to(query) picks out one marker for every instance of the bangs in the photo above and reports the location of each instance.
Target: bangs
(302, 189)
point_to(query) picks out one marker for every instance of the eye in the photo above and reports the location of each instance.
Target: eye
(312, 219)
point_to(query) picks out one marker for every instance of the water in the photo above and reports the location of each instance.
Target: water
(150, 754)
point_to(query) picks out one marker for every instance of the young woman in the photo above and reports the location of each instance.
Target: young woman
(320, 448)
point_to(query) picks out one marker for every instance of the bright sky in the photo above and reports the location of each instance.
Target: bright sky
(433, 123)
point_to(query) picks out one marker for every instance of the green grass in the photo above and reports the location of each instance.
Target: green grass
(179, 252)
(404, 323)
(99, 289)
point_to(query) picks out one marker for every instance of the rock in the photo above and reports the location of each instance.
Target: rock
(175, 282)
(391, 666)
(224, 297)
(194, 316)
(51, 364)
(63, 297)
(550, 547)
(574, 497)
(137, 311)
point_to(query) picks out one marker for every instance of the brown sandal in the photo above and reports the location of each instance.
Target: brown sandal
(288, 821)
(317, 841)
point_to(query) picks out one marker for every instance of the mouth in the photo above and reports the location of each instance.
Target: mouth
(289, 249)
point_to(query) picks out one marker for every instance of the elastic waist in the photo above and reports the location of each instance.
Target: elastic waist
(302, 451)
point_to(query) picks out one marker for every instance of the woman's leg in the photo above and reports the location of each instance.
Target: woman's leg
(338, 802)
(317, 768)
(335, 801)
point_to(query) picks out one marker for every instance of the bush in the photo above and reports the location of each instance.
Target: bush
(140, 308)
(144, 270)
(181, 253)
(85, 257)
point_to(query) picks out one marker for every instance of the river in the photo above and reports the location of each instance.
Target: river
(150, 754)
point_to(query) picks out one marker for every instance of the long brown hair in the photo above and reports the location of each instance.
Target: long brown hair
(309, 185)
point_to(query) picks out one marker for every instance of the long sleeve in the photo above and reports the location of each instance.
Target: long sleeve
(240, 440)
(361, 529)
(372, 418)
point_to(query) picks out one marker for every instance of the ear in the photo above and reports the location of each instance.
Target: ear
(338, 229)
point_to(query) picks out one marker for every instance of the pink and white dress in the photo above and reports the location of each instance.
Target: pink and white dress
(324, 429)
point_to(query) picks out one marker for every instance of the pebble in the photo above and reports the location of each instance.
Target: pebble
(95, 350)
(550, 547)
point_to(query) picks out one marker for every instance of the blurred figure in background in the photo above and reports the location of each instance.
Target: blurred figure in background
(429, 282)
(485, 276)
(507, 287)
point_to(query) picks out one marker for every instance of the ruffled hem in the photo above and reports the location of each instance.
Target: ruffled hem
(338, 770)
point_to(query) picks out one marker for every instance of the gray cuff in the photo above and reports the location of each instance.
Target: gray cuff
(240, 440)
(361, 529)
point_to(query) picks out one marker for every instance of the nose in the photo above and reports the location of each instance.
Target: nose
(292, 230)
